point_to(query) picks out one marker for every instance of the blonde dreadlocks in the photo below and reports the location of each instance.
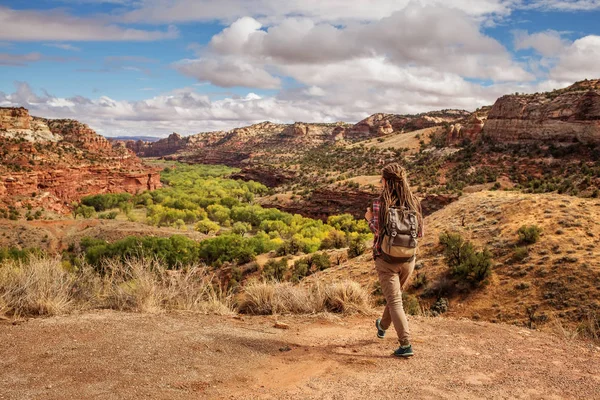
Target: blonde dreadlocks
(396, 193)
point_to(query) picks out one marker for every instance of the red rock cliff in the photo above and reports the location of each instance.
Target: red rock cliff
(51, 163)
(566, 115)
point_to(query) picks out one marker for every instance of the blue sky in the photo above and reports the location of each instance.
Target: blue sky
(132, 67)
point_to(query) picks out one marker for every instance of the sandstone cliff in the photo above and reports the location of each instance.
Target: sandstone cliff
(567, 115)
(468, 129)
(385, 124)
(237, 145)
(51, 163)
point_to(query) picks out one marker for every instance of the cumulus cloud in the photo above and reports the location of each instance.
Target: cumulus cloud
(579, 61)
(228, 72)
(272, 11)
(187, 111)
(548, 43)
(377, 53)
(25, 25)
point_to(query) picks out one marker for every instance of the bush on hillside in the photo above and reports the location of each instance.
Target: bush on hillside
(356, 247)
(206, 226)
(466, 264)
(108, 215)
(84, 211)
(275, 270)
(174, 251)
(529, 234)
(102, 202)
(309, 265)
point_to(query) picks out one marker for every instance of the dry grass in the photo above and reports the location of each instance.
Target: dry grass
(42, 286)
(284, 298)
(38, 287)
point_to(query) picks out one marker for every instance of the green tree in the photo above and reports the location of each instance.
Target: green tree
(206, 226)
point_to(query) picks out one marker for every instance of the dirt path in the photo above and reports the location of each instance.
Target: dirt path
(111, 355)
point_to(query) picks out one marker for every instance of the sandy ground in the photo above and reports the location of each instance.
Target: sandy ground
(112, 355)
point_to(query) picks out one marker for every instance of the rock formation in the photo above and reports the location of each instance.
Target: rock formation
(567, 115)
(468, 129)
(51, 163)
(385, 124)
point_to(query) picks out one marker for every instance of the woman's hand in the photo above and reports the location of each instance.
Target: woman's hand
(369, 214)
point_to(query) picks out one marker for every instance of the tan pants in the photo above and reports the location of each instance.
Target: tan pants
(392, 277)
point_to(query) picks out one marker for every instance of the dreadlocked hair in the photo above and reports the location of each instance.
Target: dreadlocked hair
(396, 193)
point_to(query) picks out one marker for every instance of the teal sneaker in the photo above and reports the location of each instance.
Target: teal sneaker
(380, 330)
(404, 351)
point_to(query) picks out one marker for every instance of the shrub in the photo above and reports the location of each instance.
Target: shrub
(102, 202)
(38, 286)
(465, 263)
(439, 307)
(108, 215)
(411, 304)
(85, 211)
(241, 228)
(476, 267)
(356, 247)
(335, 239)
(309, 265)
(15, 254)
(520, 254)
(218, 213)
(275, 270)
(174, 251)
(420, 280)
(206, 226)
(529, 234)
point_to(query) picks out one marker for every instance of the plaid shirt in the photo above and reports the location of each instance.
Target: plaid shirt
(374, 226)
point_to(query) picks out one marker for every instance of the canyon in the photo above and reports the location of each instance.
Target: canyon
(237, 145)
(49, 164)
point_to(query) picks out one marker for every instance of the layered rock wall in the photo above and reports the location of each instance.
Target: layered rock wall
(562, 116)
(51, 163)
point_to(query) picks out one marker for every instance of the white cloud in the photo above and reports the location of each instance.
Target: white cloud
(324, 55)
(272, 11)
(25, 25)
(187, 112)
(63, 46)
(548, 43)
(19, 59)
(579, 61)
(565, 5)
(228, 72)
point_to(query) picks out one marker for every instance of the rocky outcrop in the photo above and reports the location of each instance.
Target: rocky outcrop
(562, 116)
(468, 129)
(16, 123)
(51, 163)
(14, 118)
(385, 124)
(79, 134)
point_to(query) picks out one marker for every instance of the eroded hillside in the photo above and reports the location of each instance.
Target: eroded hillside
(48, 164)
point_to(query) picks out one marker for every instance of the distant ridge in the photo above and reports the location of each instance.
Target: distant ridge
(151, 139)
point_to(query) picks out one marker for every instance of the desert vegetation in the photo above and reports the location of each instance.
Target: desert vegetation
(41, 286)
(203, 198)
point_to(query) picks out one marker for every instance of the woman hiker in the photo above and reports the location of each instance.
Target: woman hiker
(396, 221)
